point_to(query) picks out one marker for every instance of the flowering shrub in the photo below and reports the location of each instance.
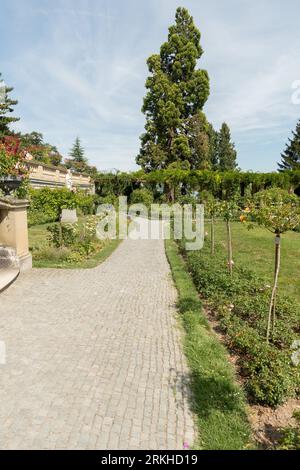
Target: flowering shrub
(62, 235)
(79, 238)
(12, 158)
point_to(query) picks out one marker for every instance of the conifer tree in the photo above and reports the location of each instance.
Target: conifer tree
(199, 142)
(213, 147)
(226, 150)
(77, 152)
(176, 92)
(77, 161)
(290, 158)
(6, 108)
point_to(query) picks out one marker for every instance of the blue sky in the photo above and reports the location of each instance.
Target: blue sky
(79, 68)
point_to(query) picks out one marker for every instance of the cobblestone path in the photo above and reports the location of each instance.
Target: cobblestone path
(94, 357)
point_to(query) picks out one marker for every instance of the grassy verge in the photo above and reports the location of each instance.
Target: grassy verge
(219, 403)
(255, 249)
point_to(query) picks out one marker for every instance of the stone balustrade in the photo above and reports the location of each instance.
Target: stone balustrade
(41, 175)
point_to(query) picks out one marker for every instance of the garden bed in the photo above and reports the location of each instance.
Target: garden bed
(268, 424)
(241, 305)
(46, 255)
(264, 372)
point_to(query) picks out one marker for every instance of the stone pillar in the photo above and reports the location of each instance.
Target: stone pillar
(14, 229)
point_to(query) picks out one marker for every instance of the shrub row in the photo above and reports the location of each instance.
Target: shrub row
(46, 204)
(242, 303)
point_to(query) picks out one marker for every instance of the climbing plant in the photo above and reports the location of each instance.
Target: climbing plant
(223, 185)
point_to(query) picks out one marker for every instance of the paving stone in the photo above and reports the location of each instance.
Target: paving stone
(94, 357)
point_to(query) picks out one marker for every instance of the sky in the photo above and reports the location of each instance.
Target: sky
(79, 69)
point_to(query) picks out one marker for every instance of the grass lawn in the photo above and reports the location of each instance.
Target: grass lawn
(38, 238)
(255, 249)
(219, 402)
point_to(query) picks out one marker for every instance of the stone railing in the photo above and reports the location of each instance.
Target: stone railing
(41, 175)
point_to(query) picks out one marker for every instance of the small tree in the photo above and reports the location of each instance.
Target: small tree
(229, 211)
(278, 211)
(212, 209)
(6, 108)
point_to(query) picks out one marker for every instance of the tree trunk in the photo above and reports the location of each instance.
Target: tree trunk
(212, 227)
(272, 309)
(169, 192)
(229, 247)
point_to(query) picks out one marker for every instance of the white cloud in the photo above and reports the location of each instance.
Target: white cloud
(79, 69)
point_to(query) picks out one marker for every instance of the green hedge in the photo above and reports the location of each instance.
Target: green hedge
(46, 204)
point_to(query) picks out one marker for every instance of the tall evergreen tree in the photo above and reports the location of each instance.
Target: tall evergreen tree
(78, 162)
(290, 158)
(176, 92)
(197, 130)
(213, 147)
(6, 108)
(226, 150)
(77, 152)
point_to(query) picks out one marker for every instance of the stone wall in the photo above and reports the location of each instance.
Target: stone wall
(41, 175)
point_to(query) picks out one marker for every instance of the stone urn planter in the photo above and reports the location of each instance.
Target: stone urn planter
(8, 184)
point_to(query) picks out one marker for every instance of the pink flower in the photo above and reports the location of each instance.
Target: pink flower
(186, 445)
